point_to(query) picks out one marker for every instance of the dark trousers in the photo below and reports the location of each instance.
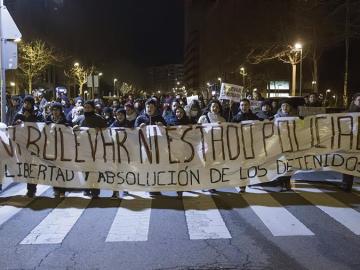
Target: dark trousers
(347, 182)
(31, 188)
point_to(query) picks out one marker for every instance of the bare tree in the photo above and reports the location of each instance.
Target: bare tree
(79, 74)
(286, 54)
(34, 57)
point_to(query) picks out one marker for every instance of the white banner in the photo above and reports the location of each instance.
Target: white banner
(231, 91)
(179, 158)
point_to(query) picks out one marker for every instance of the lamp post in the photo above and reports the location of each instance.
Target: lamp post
(299, 47)
(115, 92)
(313, 83)
(12, 84)
(243, 74)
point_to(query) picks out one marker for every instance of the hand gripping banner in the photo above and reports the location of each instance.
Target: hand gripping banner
(179, 158)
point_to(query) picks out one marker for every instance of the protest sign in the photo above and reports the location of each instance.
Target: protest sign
(231, 92)
(179, 158)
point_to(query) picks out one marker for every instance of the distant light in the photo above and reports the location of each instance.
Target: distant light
(313, 82)
(17, 40)
(219, 79)
(328, 91)
(255, 89)
(178, 83)
(213, 93)
(115, 80)
(76, 64)
(298, 46)
(159, 92)
(334, 96)
(12, 84)
(100, 74)
(242, 69)
(208, 84)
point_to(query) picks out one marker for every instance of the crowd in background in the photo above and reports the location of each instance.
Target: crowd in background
(137, 112)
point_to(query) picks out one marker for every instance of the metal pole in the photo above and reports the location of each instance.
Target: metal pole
(300, 79)
(2, 68)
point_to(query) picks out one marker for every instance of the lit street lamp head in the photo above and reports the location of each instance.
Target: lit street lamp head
(298, 46)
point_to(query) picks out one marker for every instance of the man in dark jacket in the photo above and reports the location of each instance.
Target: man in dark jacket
(57, 116)
(347, 179)
(150, 116)
(28, 113)
(13, 108)
(245, 113)
(90, 119)
(266, 111)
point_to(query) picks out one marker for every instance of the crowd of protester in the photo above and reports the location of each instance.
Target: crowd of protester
(165, 110)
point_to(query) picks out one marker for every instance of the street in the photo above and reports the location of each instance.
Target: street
(316, 226)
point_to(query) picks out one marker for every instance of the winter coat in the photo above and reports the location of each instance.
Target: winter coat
(91, 120)
(240, 116)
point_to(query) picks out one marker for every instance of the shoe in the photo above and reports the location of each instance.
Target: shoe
(154, 193)
(30, 194)
(346, 187)
(115, 195)
(95, 196)
(242, 189)
(56, 194)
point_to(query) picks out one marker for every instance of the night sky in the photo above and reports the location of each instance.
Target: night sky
(124, 37)
(120, 37)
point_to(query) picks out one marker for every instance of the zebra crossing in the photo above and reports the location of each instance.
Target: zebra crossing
(203, 217)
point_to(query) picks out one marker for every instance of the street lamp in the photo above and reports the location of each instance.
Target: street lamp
(299, 47)
(76, 64)
(12, 84)
(243, 73)
(115, 80)
(100, 74)
(313, 83)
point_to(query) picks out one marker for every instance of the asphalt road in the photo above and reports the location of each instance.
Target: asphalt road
(316, 226)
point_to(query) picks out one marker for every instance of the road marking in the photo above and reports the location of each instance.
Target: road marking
(12, 206)
(275, 217)
(54, 228)
(203, 219)
(339, 211)
(132, 219)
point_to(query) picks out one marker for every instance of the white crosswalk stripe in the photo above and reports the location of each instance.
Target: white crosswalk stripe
(275, 217)
(54, 228)
(336, 209)
(12, 206)
(203, 219)
(131, 222)
(132, 219)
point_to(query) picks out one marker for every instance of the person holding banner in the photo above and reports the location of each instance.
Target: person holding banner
(90, 119)
(193, 111)
(212, 115)
(120, 121)
(245, 114)
(266, 111)
(348, 180)
(151, 116)
(29, 113)
(57, 116)
(285, 111)
(180, 119)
